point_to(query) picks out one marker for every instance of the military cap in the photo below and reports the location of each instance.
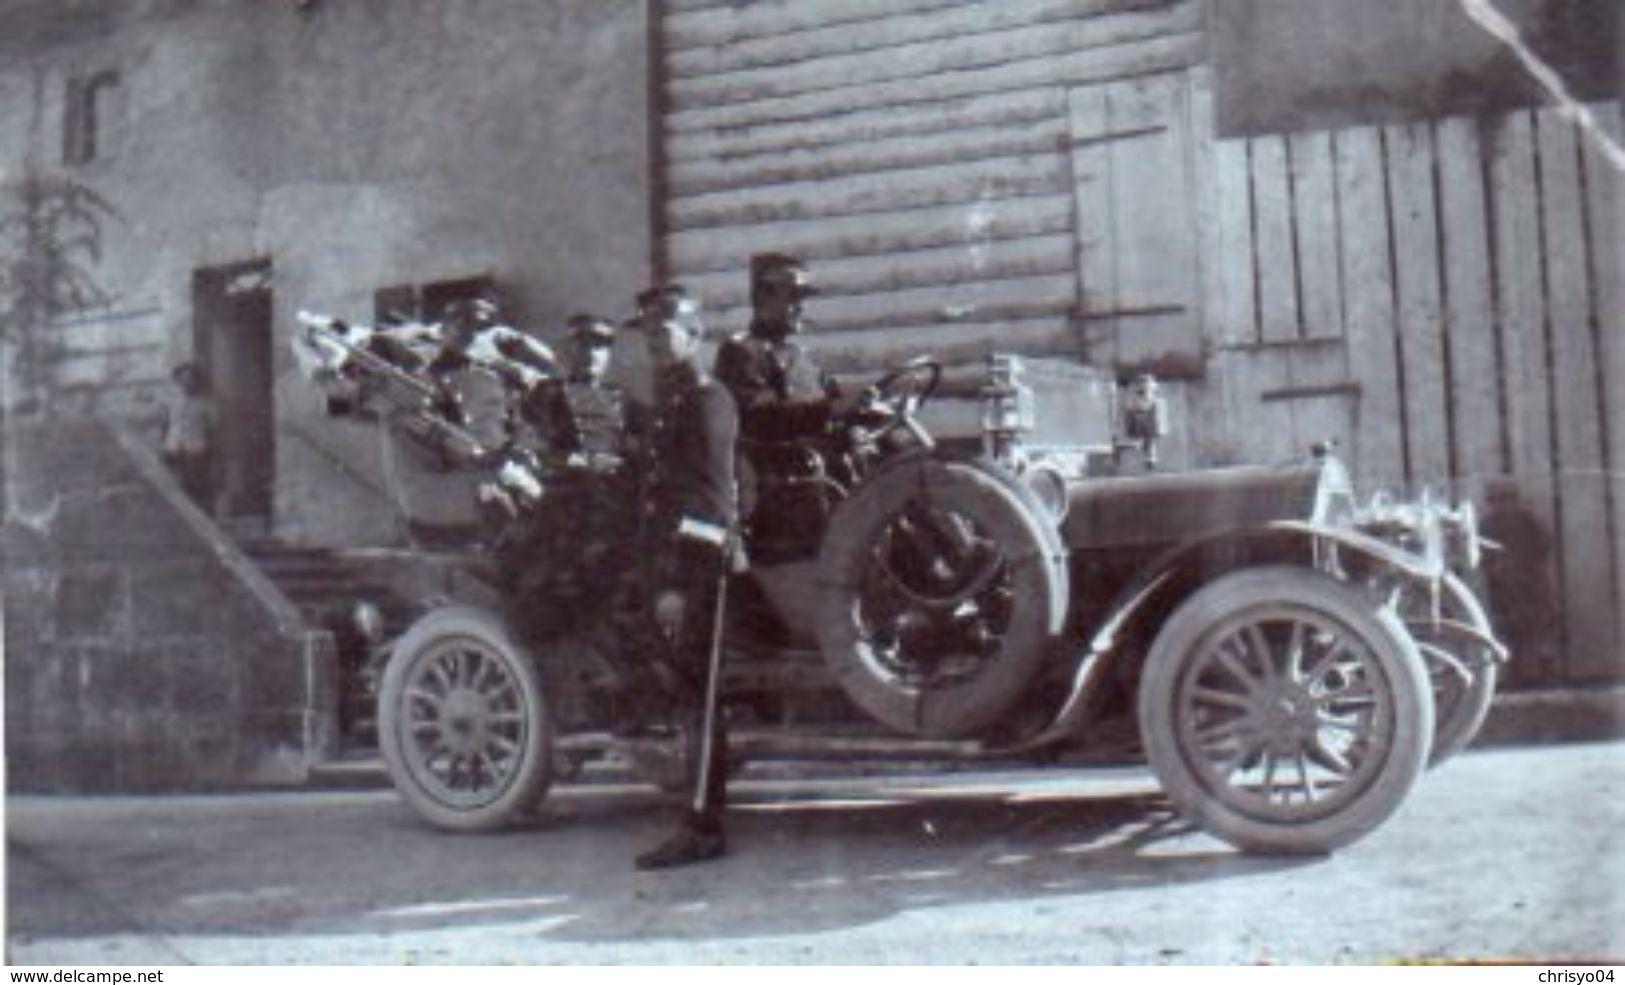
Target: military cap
(780, 269)
(668, 301)
(591, 329)
(482, 310)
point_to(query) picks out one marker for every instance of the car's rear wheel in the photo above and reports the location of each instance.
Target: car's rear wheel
(1283, 713)
(463, 723)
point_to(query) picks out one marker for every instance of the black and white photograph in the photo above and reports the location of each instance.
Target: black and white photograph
(812, 482)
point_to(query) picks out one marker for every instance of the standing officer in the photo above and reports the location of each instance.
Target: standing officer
(694, 425)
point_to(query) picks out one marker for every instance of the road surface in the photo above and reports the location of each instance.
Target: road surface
(1507, 853)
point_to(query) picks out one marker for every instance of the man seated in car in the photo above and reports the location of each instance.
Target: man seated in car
(576, 426)
(580, 418)
(786, 403)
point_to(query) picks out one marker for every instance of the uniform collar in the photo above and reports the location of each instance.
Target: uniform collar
(446, 360)
(680, 379)
(771, 333)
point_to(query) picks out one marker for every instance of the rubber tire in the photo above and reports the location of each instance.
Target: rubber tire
(1396, 655)
(1458, 722)
(529, 783)
(999, 505)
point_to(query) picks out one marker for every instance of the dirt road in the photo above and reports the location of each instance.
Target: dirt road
(1504, 853)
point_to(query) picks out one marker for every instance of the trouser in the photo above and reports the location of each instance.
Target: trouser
(702, 572)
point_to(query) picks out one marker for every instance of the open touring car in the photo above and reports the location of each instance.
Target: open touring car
(1293, 658)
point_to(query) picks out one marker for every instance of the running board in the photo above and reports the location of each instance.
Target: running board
(761, 744)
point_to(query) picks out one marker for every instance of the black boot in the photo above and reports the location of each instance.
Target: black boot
(696, 840)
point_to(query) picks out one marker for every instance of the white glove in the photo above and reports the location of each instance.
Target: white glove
(522, 480)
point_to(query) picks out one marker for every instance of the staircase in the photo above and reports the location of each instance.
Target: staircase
(325, 585)
(194, 670)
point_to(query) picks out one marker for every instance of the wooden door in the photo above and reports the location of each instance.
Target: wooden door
(232, 339)
(1134, 181)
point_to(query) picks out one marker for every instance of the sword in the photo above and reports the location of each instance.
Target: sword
(713, 677)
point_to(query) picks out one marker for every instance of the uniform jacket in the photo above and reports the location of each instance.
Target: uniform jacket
(692, 430)
(781, 393)
(578, 417)
(475, 398)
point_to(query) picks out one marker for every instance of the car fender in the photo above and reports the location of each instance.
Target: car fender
(1097, 653)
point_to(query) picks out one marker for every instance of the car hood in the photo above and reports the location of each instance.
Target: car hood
(1165, 508)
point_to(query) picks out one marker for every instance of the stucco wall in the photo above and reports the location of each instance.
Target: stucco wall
(356, 145)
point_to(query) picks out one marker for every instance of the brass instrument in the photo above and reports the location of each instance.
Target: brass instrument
(421, 404)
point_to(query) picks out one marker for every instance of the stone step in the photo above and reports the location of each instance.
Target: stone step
(321, 581)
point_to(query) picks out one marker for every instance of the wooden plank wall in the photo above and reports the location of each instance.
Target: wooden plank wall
(1468, 273)
(917, 152)
(1440, 296)
(1606, 193)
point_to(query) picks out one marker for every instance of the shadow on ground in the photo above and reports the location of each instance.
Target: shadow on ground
(800, 862)
(826, 863)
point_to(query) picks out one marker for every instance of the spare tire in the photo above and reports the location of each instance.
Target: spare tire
(943, 585)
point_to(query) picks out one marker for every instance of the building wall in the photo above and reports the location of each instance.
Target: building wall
(354, 145)
(1313, 219)
(918, 152)
(1318, 64)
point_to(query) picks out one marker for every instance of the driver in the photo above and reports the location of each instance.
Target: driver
(785, 405)
(781, 393)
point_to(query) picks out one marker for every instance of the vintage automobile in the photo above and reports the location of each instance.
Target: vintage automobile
(1289, 659)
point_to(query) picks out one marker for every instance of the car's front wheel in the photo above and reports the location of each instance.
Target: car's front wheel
(1450, 634)
(1283, 713)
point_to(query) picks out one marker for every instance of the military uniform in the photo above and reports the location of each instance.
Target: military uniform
(587, 520)
(782, 394)
(475, 399)
(586, 523)
(583, 423)
(690, 433)
(692, 497)
(785, 405)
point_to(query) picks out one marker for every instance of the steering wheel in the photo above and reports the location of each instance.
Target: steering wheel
(892, 401)
(904, 390)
